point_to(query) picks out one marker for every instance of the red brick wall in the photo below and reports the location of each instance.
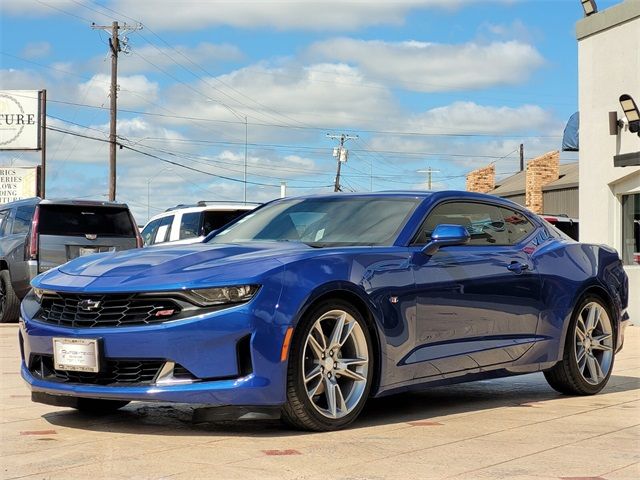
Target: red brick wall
(482, 180)
(540, 172)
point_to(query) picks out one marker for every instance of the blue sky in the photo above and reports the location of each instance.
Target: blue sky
(450, 84)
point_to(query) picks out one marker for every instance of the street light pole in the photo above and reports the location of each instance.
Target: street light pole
(246, 137)
(429, 171)
(149, 180)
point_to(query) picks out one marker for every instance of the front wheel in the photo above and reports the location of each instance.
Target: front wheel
(330, 368)
(9, 302)
(588, 353)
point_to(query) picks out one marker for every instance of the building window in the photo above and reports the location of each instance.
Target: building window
(631, 229)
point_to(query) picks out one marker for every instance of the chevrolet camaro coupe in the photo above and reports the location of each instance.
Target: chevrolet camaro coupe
(308, 306)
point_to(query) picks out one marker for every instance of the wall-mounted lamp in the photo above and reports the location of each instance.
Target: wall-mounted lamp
(632, 113)
(589, 7)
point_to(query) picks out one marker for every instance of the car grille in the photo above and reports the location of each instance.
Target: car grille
(131, 372)
(87, 311)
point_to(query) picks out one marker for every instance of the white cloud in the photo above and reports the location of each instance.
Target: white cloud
(288, 95)
(36, 50)
(434, 67)
(33, 7)
(469, 117)
(135, 90)
(284, 14)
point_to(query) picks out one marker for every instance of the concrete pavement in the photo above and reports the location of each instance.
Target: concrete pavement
(516, 428)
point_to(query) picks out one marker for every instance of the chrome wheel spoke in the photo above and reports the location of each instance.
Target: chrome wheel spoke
(581, 330)
(332, 401)
(595, 371)
(352, 375)
(315, 390)
(599, 343)
(315, 346)
(338, 330)
(581, 356)
(317, 370)
(591, 318)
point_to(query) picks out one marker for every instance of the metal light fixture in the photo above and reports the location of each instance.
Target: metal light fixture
(632, 113)
(589, 7)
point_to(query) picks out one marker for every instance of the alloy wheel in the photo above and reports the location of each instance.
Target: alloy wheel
(335, 364)
(594, 343)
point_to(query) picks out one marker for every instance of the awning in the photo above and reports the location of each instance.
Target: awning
(570, 139)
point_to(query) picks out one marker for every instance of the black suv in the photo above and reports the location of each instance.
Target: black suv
(37, 235)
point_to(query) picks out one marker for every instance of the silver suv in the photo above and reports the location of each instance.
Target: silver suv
(37, 235)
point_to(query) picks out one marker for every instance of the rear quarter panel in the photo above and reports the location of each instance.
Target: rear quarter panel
(568, 270)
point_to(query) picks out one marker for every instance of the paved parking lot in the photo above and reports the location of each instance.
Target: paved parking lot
(510, 428)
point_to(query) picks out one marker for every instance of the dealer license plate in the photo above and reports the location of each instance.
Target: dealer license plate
(76, 354)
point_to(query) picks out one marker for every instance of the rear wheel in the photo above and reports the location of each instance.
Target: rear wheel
(588, 353)
(98, 406)
(9, 302)
(330, 368)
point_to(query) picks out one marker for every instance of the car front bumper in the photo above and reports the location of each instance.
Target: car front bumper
(206, 346)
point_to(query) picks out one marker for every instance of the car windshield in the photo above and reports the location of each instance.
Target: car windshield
(324, 222)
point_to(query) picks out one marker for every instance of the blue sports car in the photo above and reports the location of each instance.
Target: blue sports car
(308, 306)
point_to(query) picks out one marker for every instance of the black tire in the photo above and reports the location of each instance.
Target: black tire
(9, 302)
(98, 406)
(565, 376)
(298, 411)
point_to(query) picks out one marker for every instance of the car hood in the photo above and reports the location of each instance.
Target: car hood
(162, 268)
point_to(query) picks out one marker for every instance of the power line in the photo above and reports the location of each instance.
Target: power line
(188, 167)
(274, 125)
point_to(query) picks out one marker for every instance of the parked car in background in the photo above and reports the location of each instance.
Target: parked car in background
(568, 226)
(308, 306)
(185, 224)
(37, 235)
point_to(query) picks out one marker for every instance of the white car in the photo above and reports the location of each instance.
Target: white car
(191, 224)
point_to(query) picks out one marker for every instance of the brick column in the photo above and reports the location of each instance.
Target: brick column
(540, 172)
(482, 180)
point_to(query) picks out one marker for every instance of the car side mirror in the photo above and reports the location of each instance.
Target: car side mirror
(444, 235)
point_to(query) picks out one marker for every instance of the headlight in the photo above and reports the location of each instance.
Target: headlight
(225, 295)
(39, 293)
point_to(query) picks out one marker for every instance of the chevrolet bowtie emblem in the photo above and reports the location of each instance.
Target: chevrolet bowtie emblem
(88, 305)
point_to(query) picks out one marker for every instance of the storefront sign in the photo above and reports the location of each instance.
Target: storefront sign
(17, 183)
(19, 120)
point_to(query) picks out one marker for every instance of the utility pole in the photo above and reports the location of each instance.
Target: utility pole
(114, 45)
(43, 145)
(429, 171)
(246, 137)
(521, 157)
(341, 154)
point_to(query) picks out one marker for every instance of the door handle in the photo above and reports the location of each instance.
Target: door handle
(517, 267)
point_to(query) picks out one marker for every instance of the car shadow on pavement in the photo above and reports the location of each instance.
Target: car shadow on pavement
(529, 391)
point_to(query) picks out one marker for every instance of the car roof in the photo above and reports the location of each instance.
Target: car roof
(418, 194)
(63, 201)
(221, 207)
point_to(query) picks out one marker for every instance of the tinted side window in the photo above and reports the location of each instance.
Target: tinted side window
(164, 229)
(22, 222)
(5, 218)
(190, 225)
(485, 223)
(214, 220)
(518, 226)
(149, 232)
